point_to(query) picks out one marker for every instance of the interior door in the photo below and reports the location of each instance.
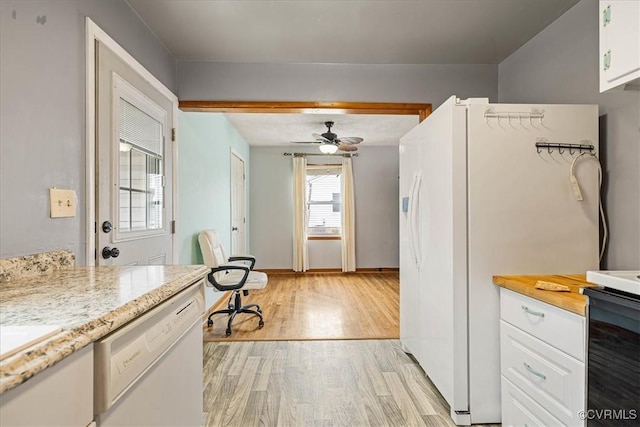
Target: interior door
(238, 214)
(134, 195)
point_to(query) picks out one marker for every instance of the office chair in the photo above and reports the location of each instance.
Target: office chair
(233, 274)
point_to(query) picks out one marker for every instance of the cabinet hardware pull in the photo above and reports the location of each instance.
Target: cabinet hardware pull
(535, 313)
(534, 372)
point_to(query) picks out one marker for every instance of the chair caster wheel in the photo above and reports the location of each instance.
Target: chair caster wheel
(209, 322)
(260, 324)
(228, 332)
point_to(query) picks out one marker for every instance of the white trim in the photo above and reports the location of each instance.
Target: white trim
(93, 34)
(244, 193)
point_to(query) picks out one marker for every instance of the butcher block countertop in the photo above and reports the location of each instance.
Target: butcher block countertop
(572, 301)
(85, 303)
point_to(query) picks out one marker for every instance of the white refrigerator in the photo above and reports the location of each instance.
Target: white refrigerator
(484, 191)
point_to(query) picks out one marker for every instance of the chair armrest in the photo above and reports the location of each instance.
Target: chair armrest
(221, 287)
(250, 258)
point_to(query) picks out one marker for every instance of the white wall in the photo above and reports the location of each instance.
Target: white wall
(560, 65)
(42, 122)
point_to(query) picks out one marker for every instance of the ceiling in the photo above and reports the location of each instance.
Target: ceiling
(343, 31)
(282, 129)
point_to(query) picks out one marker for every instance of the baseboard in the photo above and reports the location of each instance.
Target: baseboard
(329, 270)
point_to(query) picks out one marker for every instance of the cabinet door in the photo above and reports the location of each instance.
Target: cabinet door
(619, 42)
(61, 395)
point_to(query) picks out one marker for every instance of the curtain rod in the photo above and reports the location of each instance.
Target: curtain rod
(321, 154)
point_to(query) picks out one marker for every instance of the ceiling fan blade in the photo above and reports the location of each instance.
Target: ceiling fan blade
(342, 147)
(320, 138)
(304, 142)
(349, 140)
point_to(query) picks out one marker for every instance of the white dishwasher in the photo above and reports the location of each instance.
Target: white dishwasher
(149, 372)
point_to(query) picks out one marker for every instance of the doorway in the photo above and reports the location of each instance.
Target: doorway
(238, 209)
(130, 150)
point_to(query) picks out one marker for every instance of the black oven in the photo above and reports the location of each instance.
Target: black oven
(613, 358)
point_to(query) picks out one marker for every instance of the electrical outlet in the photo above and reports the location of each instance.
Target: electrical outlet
(63, 203)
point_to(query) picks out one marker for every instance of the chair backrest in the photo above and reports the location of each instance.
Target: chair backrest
(212, 250)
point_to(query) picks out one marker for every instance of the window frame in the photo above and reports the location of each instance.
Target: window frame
(338, 171)
(130, 94)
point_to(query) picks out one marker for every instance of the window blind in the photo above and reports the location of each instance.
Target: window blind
(323, 201)
(140, 129)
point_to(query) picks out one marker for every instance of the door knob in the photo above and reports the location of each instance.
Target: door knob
(108, 252)
(107, 227)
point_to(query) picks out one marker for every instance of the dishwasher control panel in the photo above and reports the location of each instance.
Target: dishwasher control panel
(126, 354)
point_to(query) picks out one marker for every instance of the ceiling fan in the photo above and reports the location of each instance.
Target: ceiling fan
(330, 143)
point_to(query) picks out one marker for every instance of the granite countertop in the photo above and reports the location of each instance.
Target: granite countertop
(572, 301)
(87, 303)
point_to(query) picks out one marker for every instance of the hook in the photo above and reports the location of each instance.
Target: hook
(560, 150)
(538, 149)
(549, 149)
(570, 150)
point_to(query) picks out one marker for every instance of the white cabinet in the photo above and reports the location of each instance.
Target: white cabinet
(542, 362)
(619, 23)
(61, 395)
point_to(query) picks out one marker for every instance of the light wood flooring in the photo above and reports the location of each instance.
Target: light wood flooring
(288, 374)
(318, 383)
(318, 306)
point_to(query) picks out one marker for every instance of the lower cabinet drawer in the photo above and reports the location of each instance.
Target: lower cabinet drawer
(560, 328)
(519, 410)
(552, 378)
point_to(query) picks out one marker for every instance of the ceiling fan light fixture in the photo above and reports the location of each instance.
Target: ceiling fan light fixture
(328, 148)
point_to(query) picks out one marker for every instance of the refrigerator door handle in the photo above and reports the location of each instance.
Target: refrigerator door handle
(415, 218)
(410, 214)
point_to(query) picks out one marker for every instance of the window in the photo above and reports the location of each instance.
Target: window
(141, 198)
(324, 201)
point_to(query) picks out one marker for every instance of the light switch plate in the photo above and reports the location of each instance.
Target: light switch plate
(63, 203)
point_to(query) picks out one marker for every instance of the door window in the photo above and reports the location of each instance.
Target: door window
(140, 166)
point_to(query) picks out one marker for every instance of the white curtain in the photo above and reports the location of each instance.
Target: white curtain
(300, 257)
(348, 218)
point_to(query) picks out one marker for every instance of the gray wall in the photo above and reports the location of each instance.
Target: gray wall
(335, 82)
(376, 204)
(560, 65)
(42, 123)
(376, 173)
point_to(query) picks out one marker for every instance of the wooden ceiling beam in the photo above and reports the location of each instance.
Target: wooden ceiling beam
(421, 110)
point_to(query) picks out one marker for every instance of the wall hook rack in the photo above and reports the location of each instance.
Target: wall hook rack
(573, 148)
(528, 115)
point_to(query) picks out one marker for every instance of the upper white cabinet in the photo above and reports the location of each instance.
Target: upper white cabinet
(619, 22)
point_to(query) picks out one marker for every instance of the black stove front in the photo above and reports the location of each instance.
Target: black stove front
(613, 359)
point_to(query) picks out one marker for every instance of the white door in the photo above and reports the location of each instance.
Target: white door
(238, 214)
(134, 164)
